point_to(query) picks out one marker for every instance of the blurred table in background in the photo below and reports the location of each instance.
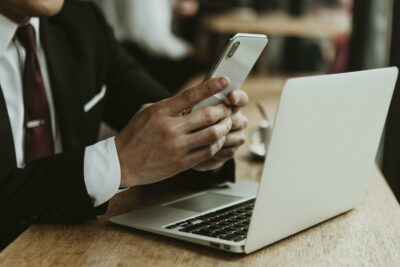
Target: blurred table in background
(329, 27)
(366, 236)
(323, 24)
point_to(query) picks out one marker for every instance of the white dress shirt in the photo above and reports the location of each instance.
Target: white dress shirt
(132, 19)
(102, 173)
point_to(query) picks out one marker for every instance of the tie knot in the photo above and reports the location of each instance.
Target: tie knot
(26, 35)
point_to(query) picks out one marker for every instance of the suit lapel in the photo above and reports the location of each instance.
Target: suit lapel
(64, 83)
(7, 151)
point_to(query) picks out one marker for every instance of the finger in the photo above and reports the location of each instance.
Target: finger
(210, 164)
(190, 97)
(235, 139)
(144, 106)
(205, 117)
(238, 98)
(231, 145)
(203, 154)
(239, 121)
(209, 135)
(225, 154)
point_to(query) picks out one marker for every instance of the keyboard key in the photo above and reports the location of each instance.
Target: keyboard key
(214, 219)
(206, 216)
(231, 229)
(242, 231)
(225, 223)
(201, 231)
(189, 229)
(210, 233)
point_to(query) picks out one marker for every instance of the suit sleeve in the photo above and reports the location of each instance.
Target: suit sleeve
(49, 190)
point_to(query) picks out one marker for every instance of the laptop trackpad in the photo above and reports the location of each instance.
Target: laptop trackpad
(204, 202)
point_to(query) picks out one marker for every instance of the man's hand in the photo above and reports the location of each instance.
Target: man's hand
(159, 142)
(236, 136)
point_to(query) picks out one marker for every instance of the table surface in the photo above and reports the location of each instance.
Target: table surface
(366, 236)
(326, 23)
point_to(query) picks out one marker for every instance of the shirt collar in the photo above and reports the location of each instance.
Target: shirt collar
(8, 29)
(7, 32)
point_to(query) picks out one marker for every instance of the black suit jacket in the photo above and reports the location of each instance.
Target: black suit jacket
(82, 56)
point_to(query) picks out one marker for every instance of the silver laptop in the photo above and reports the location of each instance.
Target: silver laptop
(320, 159)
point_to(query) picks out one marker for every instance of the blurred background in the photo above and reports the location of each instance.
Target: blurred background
(177, 41)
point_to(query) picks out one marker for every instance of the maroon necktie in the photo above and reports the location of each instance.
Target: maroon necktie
(38, 134)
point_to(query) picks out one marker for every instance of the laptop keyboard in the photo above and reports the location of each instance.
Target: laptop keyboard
(231, 223)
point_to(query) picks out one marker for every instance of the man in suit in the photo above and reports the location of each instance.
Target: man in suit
(60, 76)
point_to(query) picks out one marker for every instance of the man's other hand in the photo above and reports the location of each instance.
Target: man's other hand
(159, 142)
(236, 136)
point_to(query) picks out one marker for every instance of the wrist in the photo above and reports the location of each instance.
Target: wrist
(128, 179)
(123, 180)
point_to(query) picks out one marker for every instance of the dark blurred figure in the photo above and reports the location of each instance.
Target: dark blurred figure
(305, 55)
(391, 156)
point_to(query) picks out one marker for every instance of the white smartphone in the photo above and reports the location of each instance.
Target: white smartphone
(235, 61)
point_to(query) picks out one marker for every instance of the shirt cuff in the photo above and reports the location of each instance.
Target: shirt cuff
(102, 171)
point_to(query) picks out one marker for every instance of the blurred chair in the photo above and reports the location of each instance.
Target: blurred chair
(341, 61)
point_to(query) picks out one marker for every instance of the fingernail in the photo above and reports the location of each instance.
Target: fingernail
(221, 83)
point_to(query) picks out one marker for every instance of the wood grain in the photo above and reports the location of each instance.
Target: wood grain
(366, 236)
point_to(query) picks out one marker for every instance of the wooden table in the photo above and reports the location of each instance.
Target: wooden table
(366, 236)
